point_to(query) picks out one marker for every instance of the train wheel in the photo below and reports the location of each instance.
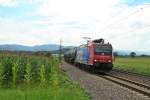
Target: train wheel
(75, 64)
(92, 69)
(88, 68)
(109, 66)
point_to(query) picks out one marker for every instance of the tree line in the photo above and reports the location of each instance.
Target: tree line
(132, 55)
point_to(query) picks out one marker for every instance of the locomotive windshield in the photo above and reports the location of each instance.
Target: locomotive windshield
(103, 50)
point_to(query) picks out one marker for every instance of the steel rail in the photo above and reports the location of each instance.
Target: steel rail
(138, 87)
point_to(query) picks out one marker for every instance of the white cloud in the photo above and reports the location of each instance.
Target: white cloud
(77, 9)
(8, 2)
(70, 20)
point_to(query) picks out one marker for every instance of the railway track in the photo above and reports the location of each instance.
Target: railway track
(144, 79)
(130, 73)
(130, 84)
(135, 86)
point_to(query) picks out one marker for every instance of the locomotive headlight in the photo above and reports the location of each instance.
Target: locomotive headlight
(109, 60)
(95, 60)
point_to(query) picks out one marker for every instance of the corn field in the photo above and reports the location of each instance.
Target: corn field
(17, 70)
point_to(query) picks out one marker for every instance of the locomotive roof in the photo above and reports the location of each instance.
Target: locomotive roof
(101, 44)
(106, 45)
(98, 41)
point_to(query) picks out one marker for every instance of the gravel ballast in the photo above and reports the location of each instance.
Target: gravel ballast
(99, 88)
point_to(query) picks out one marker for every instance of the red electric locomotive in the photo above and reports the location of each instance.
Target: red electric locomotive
(95, 55)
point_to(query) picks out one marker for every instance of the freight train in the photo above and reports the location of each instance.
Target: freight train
(96, 55)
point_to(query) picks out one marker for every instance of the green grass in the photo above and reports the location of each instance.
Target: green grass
(30, 77)
(139, 65)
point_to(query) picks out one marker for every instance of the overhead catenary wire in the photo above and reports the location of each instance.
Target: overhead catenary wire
(131, 31)
(125, 17)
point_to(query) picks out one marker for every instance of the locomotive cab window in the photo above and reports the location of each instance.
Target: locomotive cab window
(103, 50)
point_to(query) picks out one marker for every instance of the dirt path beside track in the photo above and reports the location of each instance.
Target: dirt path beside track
(99, 88)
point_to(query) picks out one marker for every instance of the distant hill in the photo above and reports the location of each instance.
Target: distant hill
(46, 47)
(54, 48)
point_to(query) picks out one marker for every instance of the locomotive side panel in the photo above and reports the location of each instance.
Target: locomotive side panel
(83, 55)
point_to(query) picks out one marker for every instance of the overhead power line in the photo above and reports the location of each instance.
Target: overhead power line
(125, 17)
(131, 31)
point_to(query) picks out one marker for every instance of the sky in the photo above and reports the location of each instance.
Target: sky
(123, 23)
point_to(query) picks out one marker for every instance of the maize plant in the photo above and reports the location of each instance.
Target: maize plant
(16, 70)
